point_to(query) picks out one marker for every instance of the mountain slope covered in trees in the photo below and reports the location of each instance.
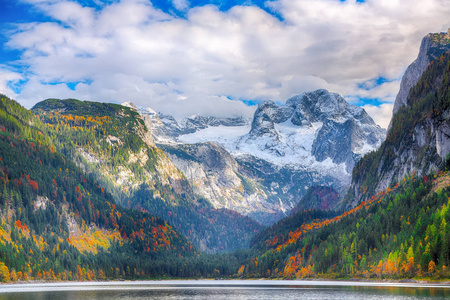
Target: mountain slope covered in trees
(57, 223)
(418, 140)
(113, 145)
(400, 233)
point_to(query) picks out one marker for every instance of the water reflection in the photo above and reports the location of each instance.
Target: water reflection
(248, 290)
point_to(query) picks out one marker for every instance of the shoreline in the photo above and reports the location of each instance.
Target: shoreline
(41, 286)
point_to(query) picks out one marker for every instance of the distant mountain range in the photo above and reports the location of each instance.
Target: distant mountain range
(313, 139)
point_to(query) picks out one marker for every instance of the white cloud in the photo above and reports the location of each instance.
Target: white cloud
(380, 114)
(181, 5)
(8, 79)
(132, 51)
(386, 91)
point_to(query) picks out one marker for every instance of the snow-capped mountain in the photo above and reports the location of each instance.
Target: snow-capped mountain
(166, 129)
(319, 130)
(315, 138)
(315, 130)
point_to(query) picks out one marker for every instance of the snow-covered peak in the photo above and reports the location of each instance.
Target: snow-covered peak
(316, 131)
(148, 111)
(130, 105)
(320, 105)
(346, 131)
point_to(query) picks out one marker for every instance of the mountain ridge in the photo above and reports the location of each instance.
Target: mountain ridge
(116, 151)
(315, 138)
(417, 141)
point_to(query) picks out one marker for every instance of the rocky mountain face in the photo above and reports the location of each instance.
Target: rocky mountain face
(251, 186)
(419, 138)
(262, 167)
(433, 45)
(316, 127)
(216, 175)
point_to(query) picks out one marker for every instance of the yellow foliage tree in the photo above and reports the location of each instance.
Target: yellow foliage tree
(13, 276)
(4, 272)
(241, 270)
(431, 267)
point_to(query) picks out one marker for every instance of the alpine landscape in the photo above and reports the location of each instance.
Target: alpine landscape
(191, 164)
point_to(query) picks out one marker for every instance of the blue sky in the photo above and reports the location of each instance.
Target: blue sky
(187, 57)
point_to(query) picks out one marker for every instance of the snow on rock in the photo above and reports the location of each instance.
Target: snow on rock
(317, 131)
(315, 138)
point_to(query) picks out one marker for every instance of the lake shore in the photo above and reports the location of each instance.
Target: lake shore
(211, 283)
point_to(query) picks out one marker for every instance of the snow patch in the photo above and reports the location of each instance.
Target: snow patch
(294, 148)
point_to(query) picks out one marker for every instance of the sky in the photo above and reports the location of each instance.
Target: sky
(219, 58)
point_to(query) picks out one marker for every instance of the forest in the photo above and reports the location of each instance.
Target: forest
(110, 142)
(59, 224)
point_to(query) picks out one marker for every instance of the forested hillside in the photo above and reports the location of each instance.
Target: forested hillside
(59, 224)
(113, 145)
(400, 233)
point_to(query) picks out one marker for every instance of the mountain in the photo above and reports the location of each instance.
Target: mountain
(319, 130)
(320, 198)
(113, 145)
(166, 129)
(419, 138)
(433, 46)
(262, 167)
(395, 222)
(58, 223)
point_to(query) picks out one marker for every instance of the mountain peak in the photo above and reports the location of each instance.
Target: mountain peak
(336, 130)
(433, 46)
(419, 135)
(130, 105)
(315, 138)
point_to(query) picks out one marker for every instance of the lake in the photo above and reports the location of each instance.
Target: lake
(223, 289)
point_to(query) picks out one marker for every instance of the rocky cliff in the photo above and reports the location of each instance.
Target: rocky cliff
(432, 46)
(216, 175)
(419, 138)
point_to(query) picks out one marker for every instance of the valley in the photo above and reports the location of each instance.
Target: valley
(309, 188)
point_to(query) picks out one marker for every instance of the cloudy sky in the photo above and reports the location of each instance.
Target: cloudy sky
(220, 57)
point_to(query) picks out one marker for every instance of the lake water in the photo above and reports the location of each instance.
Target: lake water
(223, 289)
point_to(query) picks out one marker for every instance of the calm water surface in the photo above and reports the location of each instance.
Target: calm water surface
(227, 289)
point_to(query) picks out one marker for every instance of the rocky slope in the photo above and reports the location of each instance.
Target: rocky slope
(251, 186)
(113, 144)
(419, 138)
(432, 46)
(262, 168)
(316, 129)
